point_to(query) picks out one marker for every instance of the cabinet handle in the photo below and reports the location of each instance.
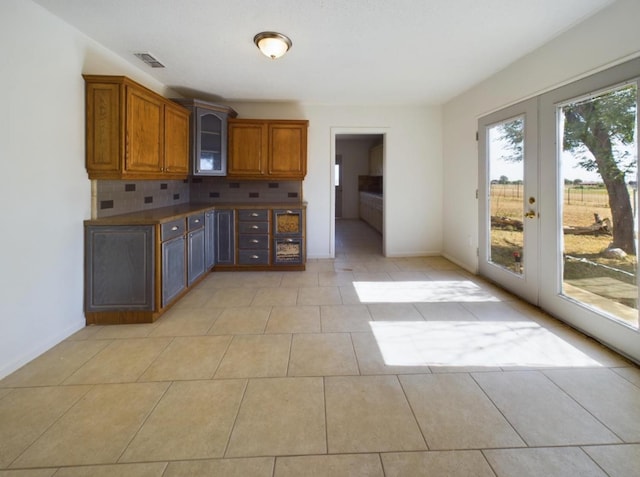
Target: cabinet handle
(197, 221)
(254, 214)
(254, 241)
(289, 240)
(255, 227)
(174, 228)
(255, 257)
(289, 211)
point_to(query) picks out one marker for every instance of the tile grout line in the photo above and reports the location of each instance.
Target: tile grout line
(593, 460)
(224, 354)
(326, 414)
(527, 446)
(162, 351)
(572, 398)
(144, 421)
(55, 421)
(413, 413)
(355, 354)
(235, 420)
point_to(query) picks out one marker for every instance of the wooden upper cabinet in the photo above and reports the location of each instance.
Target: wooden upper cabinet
(176, 140)
(132, 132)
(288, 149)
(247, 154)
(143, 132)
(267, 149)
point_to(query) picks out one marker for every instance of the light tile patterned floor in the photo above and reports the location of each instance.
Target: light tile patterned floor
(359, 366)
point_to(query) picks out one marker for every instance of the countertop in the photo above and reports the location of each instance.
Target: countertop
(167, 214)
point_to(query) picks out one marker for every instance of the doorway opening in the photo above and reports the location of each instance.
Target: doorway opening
(358, 190)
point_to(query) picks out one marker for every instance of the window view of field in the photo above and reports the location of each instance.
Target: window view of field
(590, 266)
(599, 200)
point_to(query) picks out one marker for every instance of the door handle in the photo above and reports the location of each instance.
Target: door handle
(530, 215)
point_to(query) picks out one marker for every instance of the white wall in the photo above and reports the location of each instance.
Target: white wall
(601, 41)
(412, 175)
(45, 193)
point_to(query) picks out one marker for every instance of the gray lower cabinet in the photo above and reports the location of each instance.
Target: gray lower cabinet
(119, 268)
(225, 237)
(173, 269)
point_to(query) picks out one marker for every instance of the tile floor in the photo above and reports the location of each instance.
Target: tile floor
(359, 366)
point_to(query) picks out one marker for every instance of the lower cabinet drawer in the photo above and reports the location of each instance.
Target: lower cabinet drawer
(253, 257)
(253, 242)
(172, 229)
(253, 227)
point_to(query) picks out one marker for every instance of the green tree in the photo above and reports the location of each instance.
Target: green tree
(601, 130)
(605, 127)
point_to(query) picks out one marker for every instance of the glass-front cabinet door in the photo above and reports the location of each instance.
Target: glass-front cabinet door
(211, 143)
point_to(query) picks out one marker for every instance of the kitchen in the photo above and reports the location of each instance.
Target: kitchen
(135, 134)
(430, 179)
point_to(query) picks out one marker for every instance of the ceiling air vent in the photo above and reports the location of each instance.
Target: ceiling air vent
(149, 59)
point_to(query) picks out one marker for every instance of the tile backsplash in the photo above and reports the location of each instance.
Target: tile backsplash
(221, 189)
(120, 196)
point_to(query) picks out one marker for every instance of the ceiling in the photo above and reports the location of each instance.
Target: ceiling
(355, 52)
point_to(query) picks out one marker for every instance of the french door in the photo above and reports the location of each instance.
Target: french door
(579, 178)
(508, 199)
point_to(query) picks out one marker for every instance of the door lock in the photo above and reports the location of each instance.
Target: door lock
(530, 215)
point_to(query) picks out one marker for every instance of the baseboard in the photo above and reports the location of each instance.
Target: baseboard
(40, 348)
(459, 263)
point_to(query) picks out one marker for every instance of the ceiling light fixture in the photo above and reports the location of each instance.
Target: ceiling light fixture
(272, 44)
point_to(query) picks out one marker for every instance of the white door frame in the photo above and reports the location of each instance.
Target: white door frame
(336, 131)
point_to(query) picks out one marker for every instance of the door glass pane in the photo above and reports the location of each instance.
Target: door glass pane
(505, 143)
(598, 164)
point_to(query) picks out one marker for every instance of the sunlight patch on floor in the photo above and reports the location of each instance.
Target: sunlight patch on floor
(475, 343)
(422, 292)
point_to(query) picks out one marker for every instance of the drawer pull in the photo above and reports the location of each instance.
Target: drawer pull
(174, 228)
(255, 257)
(197, 221)
(254, 241)
(289, 240)
(254, 214)
(255, 227)
(289, 211)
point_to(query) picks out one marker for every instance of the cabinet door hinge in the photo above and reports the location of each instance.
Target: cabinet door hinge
(476, 193)
(477, 136)
(477, 251)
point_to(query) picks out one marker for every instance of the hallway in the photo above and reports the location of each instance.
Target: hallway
(362, 365)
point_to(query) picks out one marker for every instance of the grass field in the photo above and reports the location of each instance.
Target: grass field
(579, 208)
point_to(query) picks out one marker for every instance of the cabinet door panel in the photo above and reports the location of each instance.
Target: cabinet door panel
(225, 237)
(195, 252)
(209, 239)
(103, 134)
(247, 149)
(176, 140)
(119, 268)
(144, 131)
(174, 277)
(287, 150)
